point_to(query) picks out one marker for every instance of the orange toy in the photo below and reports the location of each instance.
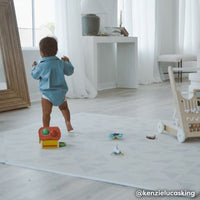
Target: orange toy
(49, 136)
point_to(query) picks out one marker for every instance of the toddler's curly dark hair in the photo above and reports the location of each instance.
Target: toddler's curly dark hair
(48, 46)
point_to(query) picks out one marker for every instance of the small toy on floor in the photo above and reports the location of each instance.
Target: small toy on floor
(116, 136)
(62, 144)
(49, 137)
(151, 137)
(117, 151)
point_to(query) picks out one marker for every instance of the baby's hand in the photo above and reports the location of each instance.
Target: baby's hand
(66, 59)
(34, 63)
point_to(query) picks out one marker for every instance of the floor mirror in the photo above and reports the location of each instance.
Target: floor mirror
(13, 84)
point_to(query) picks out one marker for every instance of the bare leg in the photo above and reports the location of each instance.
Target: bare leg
(46, 110)
(66, 114)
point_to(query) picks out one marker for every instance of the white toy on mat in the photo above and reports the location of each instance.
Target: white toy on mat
(187, 110)
(117, 151)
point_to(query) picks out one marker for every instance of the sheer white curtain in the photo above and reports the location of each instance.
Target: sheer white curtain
(68, 33)
(189, 26)
(140, 20)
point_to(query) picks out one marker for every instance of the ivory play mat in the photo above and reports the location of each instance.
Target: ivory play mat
(162, 163)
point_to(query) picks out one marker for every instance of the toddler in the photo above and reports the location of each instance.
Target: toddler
(51, 71)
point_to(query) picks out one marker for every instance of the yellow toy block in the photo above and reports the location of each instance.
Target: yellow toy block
(50, 144)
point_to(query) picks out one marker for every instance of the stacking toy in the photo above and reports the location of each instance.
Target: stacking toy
(49, 137)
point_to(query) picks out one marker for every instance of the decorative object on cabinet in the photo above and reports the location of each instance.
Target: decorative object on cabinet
(90, 24)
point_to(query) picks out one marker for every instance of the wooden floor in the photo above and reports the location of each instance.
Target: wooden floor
(152, 101)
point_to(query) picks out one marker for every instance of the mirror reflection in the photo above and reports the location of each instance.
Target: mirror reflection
(3, 85)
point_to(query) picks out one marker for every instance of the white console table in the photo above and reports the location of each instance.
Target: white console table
(111, 61)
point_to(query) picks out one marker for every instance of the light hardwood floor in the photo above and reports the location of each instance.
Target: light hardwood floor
(150, 101)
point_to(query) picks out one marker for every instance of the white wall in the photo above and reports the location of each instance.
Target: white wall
(166, 31)
(110, 7)
(29, 57)
(105, 9)
(167, 26)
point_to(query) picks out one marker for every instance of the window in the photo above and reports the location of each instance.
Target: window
(35, 19)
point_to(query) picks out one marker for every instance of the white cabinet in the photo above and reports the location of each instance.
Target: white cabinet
(111, 61)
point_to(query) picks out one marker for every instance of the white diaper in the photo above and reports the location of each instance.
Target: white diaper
(44, 97)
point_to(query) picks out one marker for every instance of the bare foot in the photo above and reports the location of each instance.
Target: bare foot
(69, 126)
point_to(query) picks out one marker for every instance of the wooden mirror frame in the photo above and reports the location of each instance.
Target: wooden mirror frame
(17, 95)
